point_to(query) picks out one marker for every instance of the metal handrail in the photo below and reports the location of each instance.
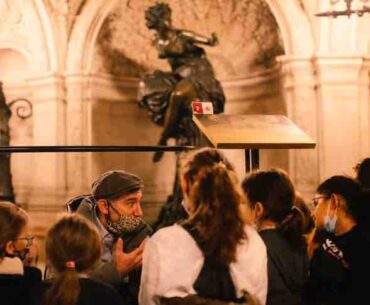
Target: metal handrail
(88, 148)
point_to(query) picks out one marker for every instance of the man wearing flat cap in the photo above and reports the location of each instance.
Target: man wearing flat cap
(114, 208)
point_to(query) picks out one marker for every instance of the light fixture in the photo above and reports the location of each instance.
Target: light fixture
(346, 12)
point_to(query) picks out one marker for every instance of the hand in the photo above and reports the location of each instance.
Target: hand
(126, 262)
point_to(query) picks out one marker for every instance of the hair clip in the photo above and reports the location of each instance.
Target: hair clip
(71, 264)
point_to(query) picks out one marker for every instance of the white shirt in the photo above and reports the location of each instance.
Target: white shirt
(172, 262)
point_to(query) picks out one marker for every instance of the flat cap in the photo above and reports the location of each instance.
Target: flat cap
(115, 184)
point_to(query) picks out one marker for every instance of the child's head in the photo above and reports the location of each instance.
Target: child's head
(73, 243)
(271, 197)
(72, 247)
(14, 240)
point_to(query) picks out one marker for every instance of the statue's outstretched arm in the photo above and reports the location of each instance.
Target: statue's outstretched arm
(196, 38)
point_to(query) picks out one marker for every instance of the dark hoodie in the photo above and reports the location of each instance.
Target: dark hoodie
(287, 269)
(339, 270)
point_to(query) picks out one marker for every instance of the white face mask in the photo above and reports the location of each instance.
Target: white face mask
(330, 222)
(184, 205)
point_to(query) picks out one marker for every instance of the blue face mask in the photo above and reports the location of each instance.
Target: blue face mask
(330, 222)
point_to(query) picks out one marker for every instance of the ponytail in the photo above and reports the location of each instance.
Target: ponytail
(293, 228)
(72, 247)
(65, 289)
(216, 212)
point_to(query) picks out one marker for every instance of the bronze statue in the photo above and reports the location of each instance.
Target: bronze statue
(168, 95)
(6, 187)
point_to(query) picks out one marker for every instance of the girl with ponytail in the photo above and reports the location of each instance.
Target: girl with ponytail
(282, 225)
(213, 255)
(73, 249)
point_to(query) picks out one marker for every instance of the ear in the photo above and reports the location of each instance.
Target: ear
(9, 248)
(102, 205)
(334, 202)
(259, 210)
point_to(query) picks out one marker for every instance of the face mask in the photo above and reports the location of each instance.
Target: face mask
(185, 207)
(124, 224)
(330, 222)
(21, 253)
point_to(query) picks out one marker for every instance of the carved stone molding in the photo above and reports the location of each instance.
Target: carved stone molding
(11, 15)
(67, 10)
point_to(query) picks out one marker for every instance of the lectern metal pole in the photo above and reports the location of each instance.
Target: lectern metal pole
(252, 160)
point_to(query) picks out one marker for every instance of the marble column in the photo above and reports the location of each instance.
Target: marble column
(302, 98)
(48, 169)
(343, 113)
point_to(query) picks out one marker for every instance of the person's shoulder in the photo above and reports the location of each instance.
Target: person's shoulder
(170, 236)
(253, 241)
(272, 236)
(98, 290)
(252, 234)
(88, 282)
(170, 230)
(32, 274)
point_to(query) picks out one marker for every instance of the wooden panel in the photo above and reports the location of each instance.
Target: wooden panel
(252, 131)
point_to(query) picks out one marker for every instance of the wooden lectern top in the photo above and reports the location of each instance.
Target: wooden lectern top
(252, 131)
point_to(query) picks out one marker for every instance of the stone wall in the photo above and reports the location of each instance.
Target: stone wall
(79, 62)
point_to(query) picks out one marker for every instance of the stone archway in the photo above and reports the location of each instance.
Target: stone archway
(294, 24)
(84, 33)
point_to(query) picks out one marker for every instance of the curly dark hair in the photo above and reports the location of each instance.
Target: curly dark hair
(159, 11)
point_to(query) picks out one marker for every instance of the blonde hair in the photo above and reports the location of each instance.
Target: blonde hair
(72, 246)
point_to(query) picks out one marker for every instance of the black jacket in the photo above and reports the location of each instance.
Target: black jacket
(287, 269)
(339, 270)
(15, 288)
(92, 293)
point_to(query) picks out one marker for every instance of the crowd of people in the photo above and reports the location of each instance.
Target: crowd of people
(252, 242)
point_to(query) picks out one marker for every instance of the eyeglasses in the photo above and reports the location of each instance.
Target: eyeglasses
(315, 200)
(29, 239)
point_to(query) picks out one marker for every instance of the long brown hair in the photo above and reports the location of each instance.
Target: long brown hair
(12, 221)
(72, 246)
(213, 190)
